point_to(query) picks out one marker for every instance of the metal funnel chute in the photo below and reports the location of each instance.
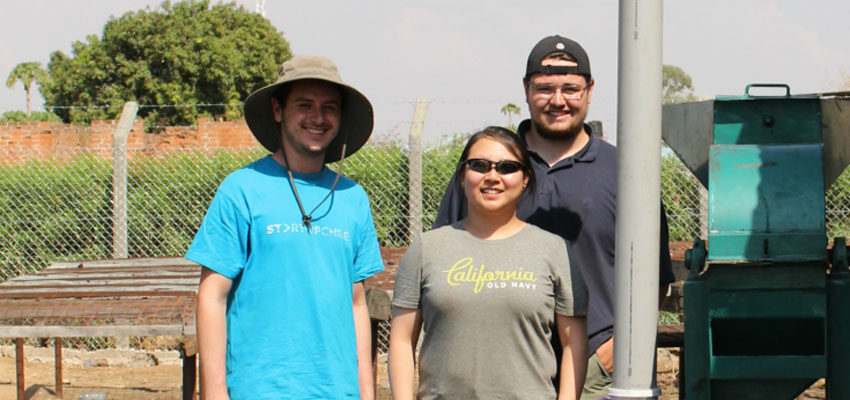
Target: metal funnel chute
(688, 129)
(835, 117)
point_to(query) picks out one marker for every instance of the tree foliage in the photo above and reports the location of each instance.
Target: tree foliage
(510, 109)
(20, 116)
(181, 54)
(27, 73)
(677, 85)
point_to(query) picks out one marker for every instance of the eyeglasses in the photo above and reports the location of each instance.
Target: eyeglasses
(503, 167)
(569, 92)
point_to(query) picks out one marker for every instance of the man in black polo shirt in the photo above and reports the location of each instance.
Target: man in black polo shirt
(576, 189)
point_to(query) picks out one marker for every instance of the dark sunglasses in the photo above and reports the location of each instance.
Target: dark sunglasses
(503, 167)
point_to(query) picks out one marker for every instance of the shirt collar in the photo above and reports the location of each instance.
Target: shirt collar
(587, 153)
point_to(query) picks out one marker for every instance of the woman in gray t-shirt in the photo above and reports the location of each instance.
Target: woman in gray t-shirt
(489, 291)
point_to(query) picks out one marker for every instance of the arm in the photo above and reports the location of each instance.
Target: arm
(363, 332)
(573, 334)
(212, 333)
(404, 333)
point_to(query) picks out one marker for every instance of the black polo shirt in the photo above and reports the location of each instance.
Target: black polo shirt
(576, 199)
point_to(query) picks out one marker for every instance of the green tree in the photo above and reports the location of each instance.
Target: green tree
(183, 54)
(27, 73)
(677, 85)
(509, 109)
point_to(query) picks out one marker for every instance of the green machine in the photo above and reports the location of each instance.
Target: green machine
(767, 302)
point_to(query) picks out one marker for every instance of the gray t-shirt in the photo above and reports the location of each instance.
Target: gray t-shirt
(488, 310)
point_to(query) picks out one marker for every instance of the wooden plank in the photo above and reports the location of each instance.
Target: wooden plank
(94, 289)
(671, 335)
(42, 309)
(106, 276)
(91, 331)
(77, 275)
(175, 268)
(129, 262)
(188, 283)
(70, 313)
(81, 294)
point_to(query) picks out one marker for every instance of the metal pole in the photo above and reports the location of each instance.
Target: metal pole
(638, 198)
(414, 166)
(119, 179)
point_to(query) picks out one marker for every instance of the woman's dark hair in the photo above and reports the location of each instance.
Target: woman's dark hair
(506, 138)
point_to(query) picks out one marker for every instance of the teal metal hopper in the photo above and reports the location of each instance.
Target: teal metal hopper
(767, 305)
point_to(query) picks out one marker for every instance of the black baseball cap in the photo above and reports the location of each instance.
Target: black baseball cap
(554, 44)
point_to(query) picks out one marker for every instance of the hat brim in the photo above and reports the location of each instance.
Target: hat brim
(356, 122)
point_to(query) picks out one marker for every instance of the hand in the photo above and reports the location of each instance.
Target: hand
(605, 352)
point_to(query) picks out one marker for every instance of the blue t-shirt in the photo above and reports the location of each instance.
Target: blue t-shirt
(290, 328)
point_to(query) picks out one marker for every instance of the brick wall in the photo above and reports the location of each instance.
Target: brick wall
(20, 141)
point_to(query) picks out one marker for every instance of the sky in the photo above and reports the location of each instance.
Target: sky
(467, 57)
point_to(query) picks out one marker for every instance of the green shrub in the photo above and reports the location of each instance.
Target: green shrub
(680, 195)
(168, 196)
(381, 169)
(838, 207)
(21, 116)
(53, 211)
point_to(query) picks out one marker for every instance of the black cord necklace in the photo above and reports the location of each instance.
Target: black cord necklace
(307, 219)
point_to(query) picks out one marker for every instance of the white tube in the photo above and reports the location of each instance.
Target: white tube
(638, 199)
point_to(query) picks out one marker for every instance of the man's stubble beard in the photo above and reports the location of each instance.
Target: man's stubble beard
(568, 134)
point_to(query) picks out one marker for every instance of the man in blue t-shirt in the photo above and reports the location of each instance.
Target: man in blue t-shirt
(575, 195)
(285, 246)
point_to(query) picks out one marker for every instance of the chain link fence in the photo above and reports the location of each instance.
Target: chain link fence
(56, 198)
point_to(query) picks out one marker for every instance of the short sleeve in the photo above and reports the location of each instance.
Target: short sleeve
(221, 243)
(406, 293)
(368, 260)
(570, 289)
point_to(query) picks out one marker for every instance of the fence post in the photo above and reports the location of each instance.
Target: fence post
(119, 179)
(414, 168)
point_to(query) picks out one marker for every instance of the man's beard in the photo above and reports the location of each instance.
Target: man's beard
(558, 135)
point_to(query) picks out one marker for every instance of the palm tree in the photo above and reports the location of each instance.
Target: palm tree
(509, 109)
(27, 72)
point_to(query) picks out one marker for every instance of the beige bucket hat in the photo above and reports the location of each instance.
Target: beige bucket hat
(357, 114)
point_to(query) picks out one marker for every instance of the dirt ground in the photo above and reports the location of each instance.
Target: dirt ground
(121, 375)
(125, 375)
